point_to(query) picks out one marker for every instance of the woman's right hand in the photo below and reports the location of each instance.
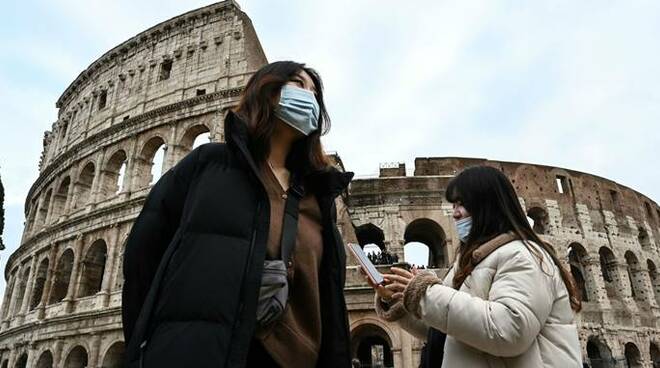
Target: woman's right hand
(382, 290)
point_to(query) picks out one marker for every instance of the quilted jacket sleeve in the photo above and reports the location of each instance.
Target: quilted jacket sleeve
(519, 302)
(150, 235)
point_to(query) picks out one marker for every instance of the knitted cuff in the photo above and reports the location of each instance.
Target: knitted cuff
(416, 290)
(389, 312)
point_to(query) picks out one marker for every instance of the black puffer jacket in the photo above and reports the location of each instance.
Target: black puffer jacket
(193, 261)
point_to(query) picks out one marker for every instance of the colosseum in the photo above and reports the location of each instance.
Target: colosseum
(138, 109)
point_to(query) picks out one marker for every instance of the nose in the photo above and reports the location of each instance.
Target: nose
(457, 213)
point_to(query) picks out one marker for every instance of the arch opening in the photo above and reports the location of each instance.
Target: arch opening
(77, 358)
(45, 360)
(113, 357)
(60, 198)
(84, 185)
(431, 234)
(599, 354)
(371, 346)
(92, 269)
(540, 219)
(633, 356)
(113, 175)
(39, 283)
(62, 277)
(576, 259)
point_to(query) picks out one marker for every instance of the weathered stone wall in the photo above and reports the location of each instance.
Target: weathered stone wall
(594, 224)
(162, 88)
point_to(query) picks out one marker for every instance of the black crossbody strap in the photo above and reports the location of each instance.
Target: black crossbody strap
(290, 221)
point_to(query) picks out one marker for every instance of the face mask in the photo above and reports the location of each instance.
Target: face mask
(298, 108)
(463, 227)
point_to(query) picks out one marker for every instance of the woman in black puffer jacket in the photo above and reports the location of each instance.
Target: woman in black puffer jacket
(194, 258)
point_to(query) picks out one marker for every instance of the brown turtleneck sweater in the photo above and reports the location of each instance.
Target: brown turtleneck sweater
(295, 339)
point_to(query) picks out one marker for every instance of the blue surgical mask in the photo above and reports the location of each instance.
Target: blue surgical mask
(298, 108)
(463, 227)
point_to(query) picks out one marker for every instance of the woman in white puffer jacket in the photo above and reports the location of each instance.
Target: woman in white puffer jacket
(506, 302)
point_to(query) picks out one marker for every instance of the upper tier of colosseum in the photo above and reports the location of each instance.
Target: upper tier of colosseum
(209, 51)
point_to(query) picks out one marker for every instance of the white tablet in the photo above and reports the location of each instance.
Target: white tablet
(366, 264)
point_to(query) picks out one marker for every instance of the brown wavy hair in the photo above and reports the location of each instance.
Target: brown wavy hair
(489, 197)
(257, 106)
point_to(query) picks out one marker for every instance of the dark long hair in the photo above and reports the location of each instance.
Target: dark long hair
(489, 197)
(257, 107)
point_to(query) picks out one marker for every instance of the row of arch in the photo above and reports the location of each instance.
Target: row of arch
(118, 173)
(421, 236)
(77, 357)
(372, 346)
(581, 263)
(599, 355)
(426, 236)
(53, 281)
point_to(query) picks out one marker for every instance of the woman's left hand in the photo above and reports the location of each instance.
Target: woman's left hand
(398, 280)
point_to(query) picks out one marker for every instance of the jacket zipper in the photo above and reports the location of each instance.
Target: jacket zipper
(248, 262)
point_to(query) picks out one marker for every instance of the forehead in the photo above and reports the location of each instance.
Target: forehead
(302, 74)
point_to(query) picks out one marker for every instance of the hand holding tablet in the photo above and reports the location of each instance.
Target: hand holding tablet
(373, 274)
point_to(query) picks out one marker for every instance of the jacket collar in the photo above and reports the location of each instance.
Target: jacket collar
(490, 246)
(329, 181)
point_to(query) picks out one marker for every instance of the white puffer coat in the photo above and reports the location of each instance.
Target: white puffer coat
(511, 311)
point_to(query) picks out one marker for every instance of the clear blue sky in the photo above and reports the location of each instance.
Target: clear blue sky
(563, 83)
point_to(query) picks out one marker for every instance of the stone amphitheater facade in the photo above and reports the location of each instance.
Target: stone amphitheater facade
(168, 86)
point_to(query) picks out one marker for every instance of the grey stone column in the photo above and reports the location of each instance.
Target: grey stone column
(595, 282)
(94, 352)
(74, 281)
(17, 278)
(28, 287)
(50, 279)
(68, 204)
(51, 204)
(108, 270)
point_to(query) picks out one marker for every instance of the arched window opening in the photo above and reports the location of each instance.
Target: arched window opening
(633, 357)
(84, 185)
(62, 277)
(655, 355)
(39, 283)
(195, 136)
(636, 283)
(372, 239)
(599, 354)
(60, 198)
(643, 237)
(607, 264)
(92, 269)
(22, 361)
(201, 139)
(22, 285)
(45, 360)
(113, 175)
(416, 254)
(371, 345)
(42, 216)
(113, 357)
(576, 257)
(32, 215)
(150, 162)
(540, 219)
(655, 280)
(77, 358)
(8, 297)
(431, 234)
